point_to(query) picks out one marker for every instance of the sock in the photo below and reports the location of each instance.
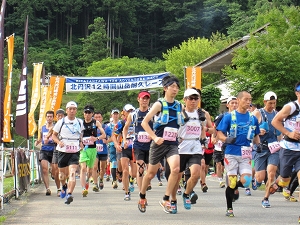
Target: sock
(142, 196)
(220, 179)
(166, 198)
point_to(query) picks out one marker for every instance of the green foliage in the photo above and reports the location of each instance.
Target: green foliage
(270, 61)
(108, 67)
(210, 99)
(94, 46)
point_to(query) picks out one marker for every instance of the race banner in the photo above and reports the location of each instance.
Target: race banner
(44, 107)
(35, 96)
(56, 91)
(193, 77)
(22, 102)
(23, 165)
(109, 84)
(7, 98)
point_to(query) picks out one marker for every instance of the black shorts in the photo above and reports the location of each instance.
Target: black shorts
(46, 155)
(187, 161)
(142, 155)
(127, 153)
(55, 157)
(207, 158)
(219, 157)
(102, 157)
(67, 159)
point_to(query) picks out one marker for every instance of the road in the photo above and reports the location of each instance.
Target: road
(108, 207)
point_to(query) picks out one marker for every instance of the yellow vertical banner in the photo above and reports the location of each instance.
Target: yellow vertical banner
(44, 107)
(57, 88)
(35, 96)
(7, 98)
(193, 77)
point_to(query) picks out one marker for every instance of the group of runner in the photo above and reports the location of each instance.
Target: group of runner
(185, 137)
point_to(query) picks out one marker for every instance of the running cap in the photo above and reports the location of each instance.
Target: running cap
(71, 104)
(189, 92)
(128, 107)
(89, 108)
(143, 94)
(60, 111)
(231, 98)
(115, 111)
(270, 95)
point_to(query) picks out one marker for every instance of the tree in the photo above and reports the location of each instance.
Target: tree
(270, 61)
(210, 99)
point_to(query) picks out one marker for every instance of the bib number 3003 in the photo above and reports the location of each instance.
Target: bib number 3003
(170, 134)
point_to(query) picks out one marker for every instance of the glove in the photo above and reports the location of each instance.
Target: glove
(259, 147)
(230, 140)
(203, 141)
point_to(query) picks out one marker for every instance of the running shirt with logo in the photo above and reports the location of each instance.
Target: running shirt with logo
(90, 129)
(292, 124)
(100, 146)
(142, 139)
(69, 131)
(169, 131)
(243, 123)
(50, 146)
(190, 134)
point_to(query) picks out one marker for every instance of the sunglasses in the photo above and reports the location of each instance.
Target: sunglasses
(193, 98)
(87, 112)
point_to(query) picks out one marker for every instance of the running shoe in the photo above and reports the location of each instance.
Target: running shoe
(131, 187)
(166, 205)
(69, 199)
(58, 192)
(222, 184)
(114, 185)
(265, 204)
(194, 197)
(127, 197)
(160, 183)
(204, 187)
(229, 212)
(63, 192)
(236, 195)
(173, 207)
(255, 184)
(247, 192)
(286, 193)
(84, 193)
(186, 202)
(101, 185)
(87, 185)
(142, 205)
(273, 188)
(107, 178)
(96, 188)
(149, 187)
(48, 192)
(179, 192)
(292, 199)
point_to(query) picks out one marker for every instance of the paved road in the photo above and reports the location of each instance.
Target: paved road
(108, 207)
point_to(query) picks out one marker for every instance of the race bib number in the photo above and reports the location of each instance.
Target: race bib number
(87, 141)
(143, 137)
(274, 147)
(99, 147)
(246, 152)
(195, 130)
(170, 134)
(45, 136)
(71, 146)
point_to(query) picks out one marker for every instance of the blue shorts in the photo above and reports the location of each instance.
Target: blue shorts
(288, 159)
(265, 158)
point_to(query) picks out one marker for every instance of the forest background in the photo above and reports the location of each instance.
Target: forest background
(135, 37)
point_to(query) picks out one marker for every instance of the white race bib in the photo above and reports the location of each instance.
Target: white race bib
(99, 147)
(143, 137)
(87, 141)
(170, 134)
(71, 146)
(274, 146)
(246, 152)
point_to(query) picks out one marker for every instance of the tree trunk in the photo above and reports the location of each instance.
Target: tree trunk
(119, 34)
(113, 43)
(71, 31)
(107, 33)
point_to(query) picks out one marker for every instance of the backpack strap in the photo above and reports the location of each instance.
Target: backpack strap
(296, 112)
